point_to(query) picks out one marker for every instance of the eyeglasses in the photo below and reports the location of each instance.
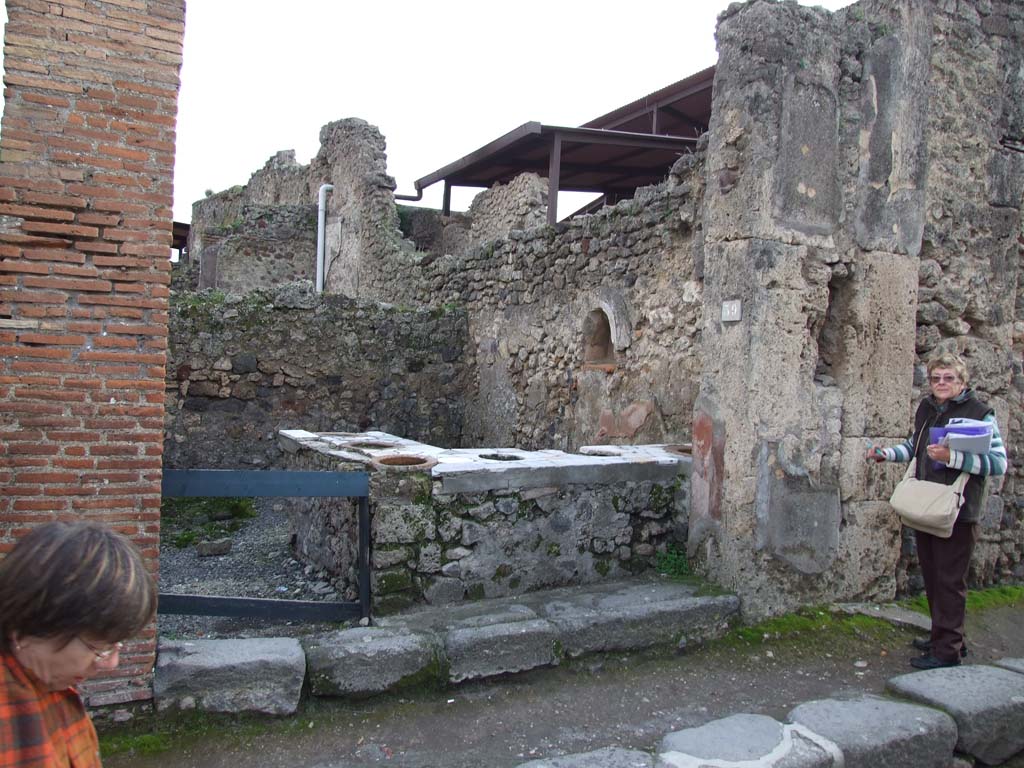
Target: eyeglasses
(102, 654)
(946, 379)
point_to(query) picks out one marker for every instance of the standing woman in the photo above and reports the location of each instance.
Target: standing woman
(69, 594)
(944, 562)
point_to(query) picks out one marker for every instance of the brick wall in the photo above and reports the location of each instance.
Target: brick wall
(86, 165)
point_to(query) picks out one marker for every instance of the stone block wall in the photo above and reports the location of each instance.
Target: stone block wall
(86, 164)
(432, 542)
(857, 219)
(243, 367)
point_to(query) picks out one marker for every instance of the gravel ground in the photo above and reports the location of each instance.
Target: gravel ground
(260, 564)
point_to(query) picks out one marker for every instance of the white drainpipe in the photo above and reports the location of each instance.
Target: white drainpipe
(321, 226)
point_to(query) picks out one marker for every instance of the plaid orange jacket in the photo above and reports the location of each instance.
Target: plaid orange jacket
(40, 728)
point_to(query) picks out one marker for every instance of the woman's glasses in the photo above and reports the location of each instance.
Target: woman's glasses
(102, 654)
(944, 379)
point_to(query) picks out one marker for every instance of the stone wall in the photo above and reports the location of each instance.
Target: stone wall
(448, 533)
(520, 204)
(242, 367)
(970, 294)
(529, 297)
(86, 167)
(829, 210)
(266, 246)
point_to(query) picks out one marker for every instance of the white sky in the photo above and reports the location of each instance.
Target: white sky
(439, 79)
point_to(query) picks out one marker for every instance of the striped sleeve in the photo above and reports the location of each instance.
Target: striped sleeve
(901, 452)
(988, 464)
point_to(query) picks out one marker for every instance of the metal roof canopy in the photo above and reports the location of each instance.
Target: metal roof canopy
(612, 155)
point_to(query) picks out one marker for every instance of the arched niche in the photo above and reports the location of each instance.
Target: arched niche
(598, 349)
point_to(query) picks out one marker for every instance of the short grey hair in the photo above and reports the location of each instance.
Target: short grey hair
(952, 361)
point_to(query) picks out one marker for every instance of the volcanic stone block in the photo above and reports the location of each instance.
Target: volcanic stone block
(611, 757)
(494, 649)
(367, 660)
(800, 522)
(807, 184)
(987, 704)
(873, 731)
(257, 675)
(741, 738)
(633, 616)
(1014, 665)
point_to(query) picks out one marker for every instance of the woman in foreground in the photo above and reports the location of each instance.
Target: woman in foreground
(70, 593)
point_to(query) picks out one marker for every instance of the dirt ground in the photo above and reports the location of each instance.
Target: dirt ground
(630, 701)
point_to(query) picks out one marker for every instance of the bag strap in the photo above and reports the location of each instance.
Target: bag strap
(958, 484)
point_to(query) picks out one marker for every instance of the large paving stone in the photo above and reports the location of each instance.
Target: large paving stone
(369, 660)
(1014, 665)
(987, 704)
(610, 757)
(747, 741)
(872, 731)
(259, 675)
(485, 650)
(632, 616)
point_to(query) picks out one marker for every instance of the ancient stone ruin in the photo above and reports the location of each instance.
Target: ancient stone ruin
(854, 207)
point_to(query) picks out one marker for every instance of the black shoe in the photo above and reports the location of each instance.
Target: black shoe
(925, 645)
(930, 662)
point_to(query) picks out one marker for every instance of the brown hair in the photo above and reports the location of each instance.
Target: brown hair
(70, 579)
(952, 361)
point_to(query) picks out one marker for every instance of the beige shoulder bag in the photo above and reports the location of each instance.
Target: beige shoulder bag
(927, 506)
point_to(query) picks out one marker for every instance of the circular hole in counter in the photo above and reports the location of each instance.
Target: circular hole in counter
(500, 457)
(605, 452)
(370, 444)
(680, 449)
(402, 462)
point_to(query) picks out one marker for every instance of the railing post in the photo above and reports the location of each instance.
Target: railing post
(364, 556)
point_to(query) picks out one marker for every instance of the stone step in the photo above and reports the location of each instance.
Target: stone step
(439, 646)
(495, 637)
(263, 675)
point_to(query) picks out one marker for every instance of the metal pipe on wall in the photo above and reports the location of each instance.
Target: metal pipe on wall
(321, 226)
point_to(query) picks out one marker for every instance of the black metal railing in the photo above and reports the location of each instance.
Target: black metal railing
(268, 484)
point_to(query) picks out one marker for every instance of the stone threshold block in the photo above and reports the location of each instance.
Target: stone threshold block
(487, 650)
(872, 731)
(610, 757)
(747, 741)
(369, 660)
(1014, 665)
(263, 675)
(986, 702)
(631, 616)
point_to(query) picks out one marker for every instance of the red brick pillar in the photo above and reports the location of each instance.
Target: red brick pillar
(86, 171)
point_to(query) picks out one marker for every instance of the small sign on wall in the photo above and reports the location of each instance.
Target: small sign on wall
(732, 311)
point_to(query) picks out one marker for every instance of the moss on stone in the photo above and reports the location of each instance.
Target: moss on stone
(393, 581)
(432, 677)
(475, 592)
(503, 571)
(603, 567)
(554, 550)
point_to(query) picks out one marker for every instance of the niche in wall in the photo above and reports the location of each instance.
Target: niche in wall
(597, 340)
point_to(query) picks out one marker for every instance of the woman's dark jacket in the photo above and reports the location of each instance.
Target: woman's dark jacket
(931, 413)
